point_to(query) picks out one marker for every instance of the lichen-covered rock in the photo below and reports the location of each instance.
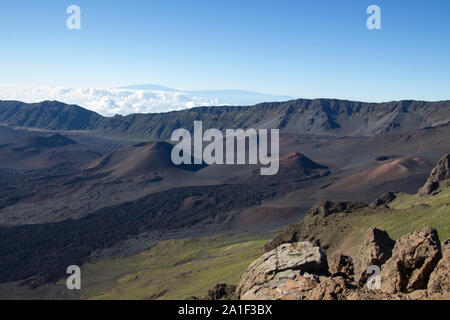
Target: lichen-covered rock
(413, 259)
(290, 268)
(375, 250)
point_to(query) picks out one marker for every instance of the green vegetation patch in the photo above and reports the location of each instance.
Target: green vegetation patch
(173, 269)
(344, 232)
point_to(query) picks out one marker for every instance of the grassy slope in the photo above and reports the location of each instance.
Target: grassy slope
(409, 214)
(344, 232)
(173, 269)
(413, 213)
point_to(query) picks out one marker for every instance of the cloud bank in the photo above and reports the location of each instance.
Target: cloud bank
(109, 102)
(134, 99)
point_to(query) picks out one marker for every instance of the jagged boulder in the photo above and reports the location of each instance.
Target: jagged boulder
(222, 290)
(342, 265)
(329, 288)
(376, 249)
(326, 208)
(413, 268)
(413, 259)
(283, 273)
(384, 200)
(439, 173)
(439, 283)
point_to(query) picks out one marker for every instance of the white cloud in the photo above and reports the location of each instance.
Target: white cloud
(139, 99)
(109, 101)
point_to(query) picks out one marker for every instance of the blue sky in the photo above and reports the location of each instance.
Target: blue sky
(299, 48)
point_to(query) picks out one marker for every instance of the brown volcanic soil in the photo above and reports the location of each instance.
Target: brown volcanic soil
(265, 217)
(40, 150)
(295, 160)
(390, 171)
(65, 191)
(349, 156)
(75, 211)
(72, 191)
(136, 160)
(78, 156)
(127, 174)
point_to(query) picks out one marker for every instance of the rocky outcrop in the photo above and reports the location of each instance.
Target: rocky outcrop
(414, 257)
(342, 266)
(440, 173)
(411, 269)
(283, 272)
(222, 291)
(384, 200)
(376, 249)
(322, 213)
(326, 208)
(439, 283)
(332, 288)
(295, 271)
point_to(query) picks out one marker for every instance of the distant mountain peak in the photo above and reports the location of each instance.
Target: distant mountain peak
(148, 87)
